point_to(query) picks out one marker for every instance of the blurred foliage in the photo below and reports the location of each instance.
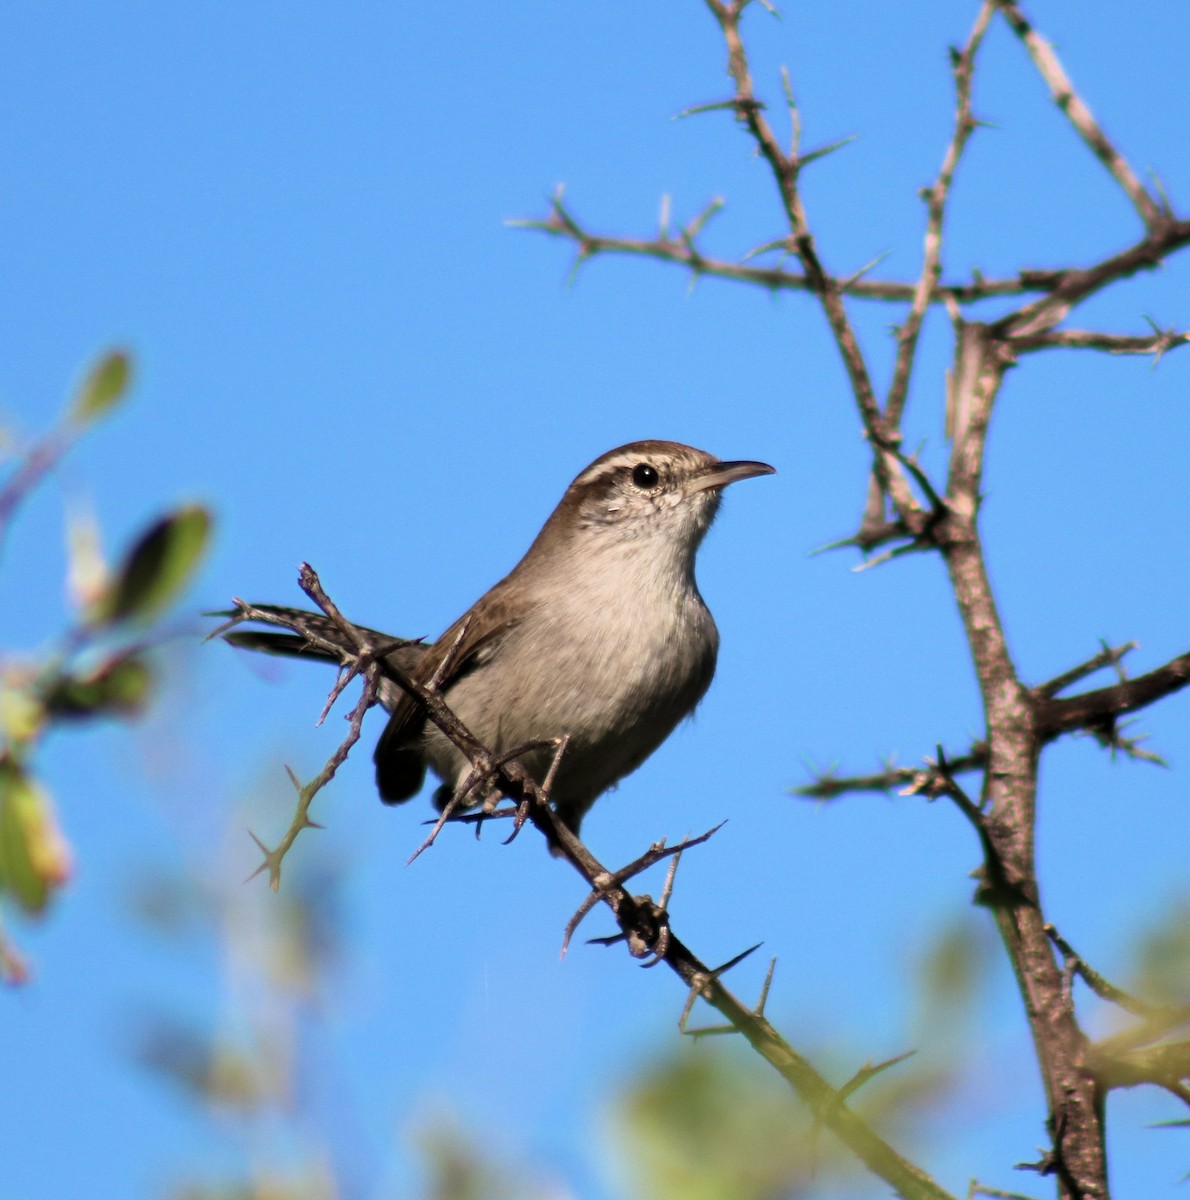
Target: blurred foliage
(711, 1122)
(267, 1187)
(459, 1167)
(953, 970)
(707, 1123)
(263, 1071)
(95, 668)
(155, 569)
(1162, 973)
(254, 1070)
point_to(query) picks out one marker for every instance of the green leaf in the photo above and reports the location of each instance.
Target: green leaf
(34, 857)
(118, 687)
(22, 714)
(157, 568)
(105, 385)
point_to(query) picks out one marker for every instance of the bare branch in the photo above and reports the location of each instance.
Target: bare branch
(1109, 656)
(828, 786)
(785, 169)
(936, 198)
(655, 854)
(1101, 987)
(1157, 344)
(1076, 284)
(1079, 115)
(306, 792)
(663, 248)
(1096, 709)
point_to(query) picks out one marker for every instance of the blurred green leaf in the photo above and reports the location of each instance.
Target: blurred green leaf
(1162, 973)
(213, 1069)
(118, 687)
(105, 385)
(952, 970)
(157, 568)
(703, 1124)
(461, 1164)
(22, 714)
(34, 857)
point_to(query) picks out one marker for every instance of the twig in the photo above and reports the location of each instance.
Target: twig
(936, 199)
(1077, 284)
(1096, 709)
(655, 854)
(786, 169)
(828, 786)
(1157, 344)
(1100, 986)
(1109, 656)
(41, 459)
(1079, 115)
(776, 279)
(306, 792)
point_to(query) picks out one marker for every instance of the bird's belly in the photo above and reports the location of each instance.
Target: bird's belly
(617, 691)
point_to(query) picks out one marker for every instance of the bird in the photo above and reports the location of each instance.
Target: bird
(598, 635)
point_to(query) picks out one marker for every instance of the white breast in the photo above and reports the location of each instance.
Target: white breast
(613, 658)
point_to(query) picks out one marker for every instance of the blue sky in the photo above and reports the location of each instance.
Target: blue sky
(293, 216)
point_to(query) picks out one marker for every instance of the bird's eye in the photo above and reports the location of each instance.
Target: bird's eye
(644, 475)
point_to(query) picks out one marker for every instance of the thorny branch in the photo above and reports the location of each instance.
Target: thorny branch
(683, 251)
(1079, 115)
(365, 663)
(936, 198)
(1142, 1053)
(1157, 344)
(1096, 711)
(1020, 721)
(829, 786)
(786, 169)
(643, 924)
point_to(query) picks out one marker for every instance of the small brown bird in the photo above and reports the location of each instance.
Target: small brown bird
(598, 633)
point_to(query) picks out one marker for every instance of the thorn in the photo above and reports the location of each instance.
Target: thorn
(735, 962)
(609, 940)
(268, 855)
(701, 981)
(868, 1072)
(841, 544)
(709, 1031)
(735, 103)
(853, 279)
(575, 268)
(806, 159)
(787, 88)
(695, 227)
(781, 243)
(764, 989)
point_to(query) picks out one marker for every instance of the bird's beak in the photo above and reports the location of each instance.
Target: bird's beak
(720, 474)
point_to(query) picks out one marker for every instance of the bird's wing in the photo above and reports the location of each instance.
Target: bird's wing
(399, 763)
